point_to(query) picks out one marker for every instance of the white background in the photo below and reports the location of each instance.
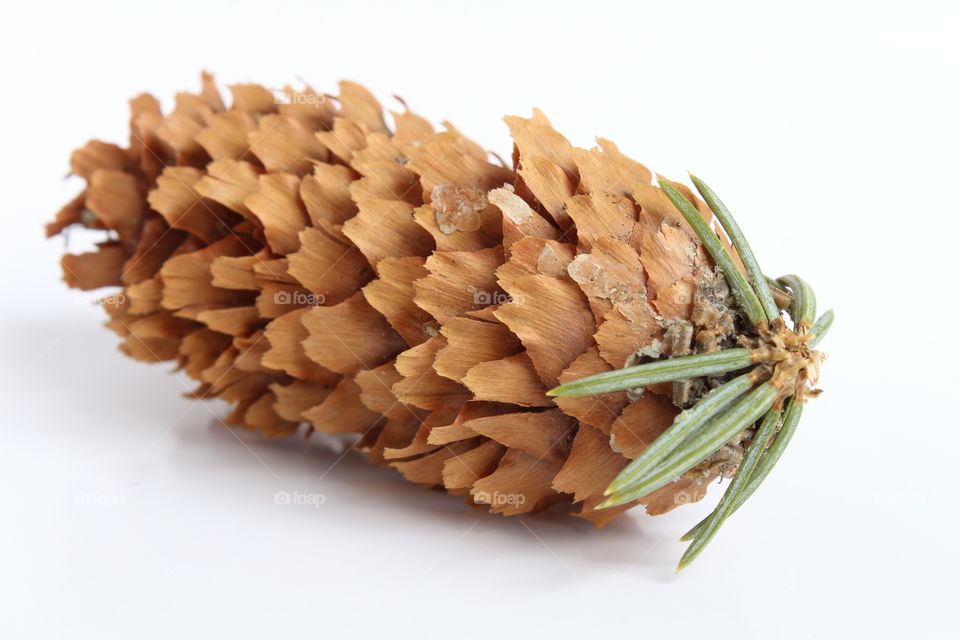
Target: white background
(830, 128)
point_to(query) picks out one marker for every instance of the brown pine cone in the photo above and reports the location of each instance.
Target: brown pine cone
(309, 264)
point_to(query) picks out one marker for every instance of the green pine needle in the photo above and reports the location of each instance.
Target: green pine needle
(754, 273)
(679, 368)
(686, 423)
(740, 480)
(791, 418)
(742, 291)
(716, 433)
(820, 328)
(803, 308)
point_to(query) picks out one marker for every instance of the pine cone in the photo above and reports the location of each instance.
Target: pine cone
(308, 264)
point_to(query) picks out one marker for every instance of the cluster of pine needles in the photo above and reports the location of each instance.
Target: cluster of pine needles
(768, 398)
